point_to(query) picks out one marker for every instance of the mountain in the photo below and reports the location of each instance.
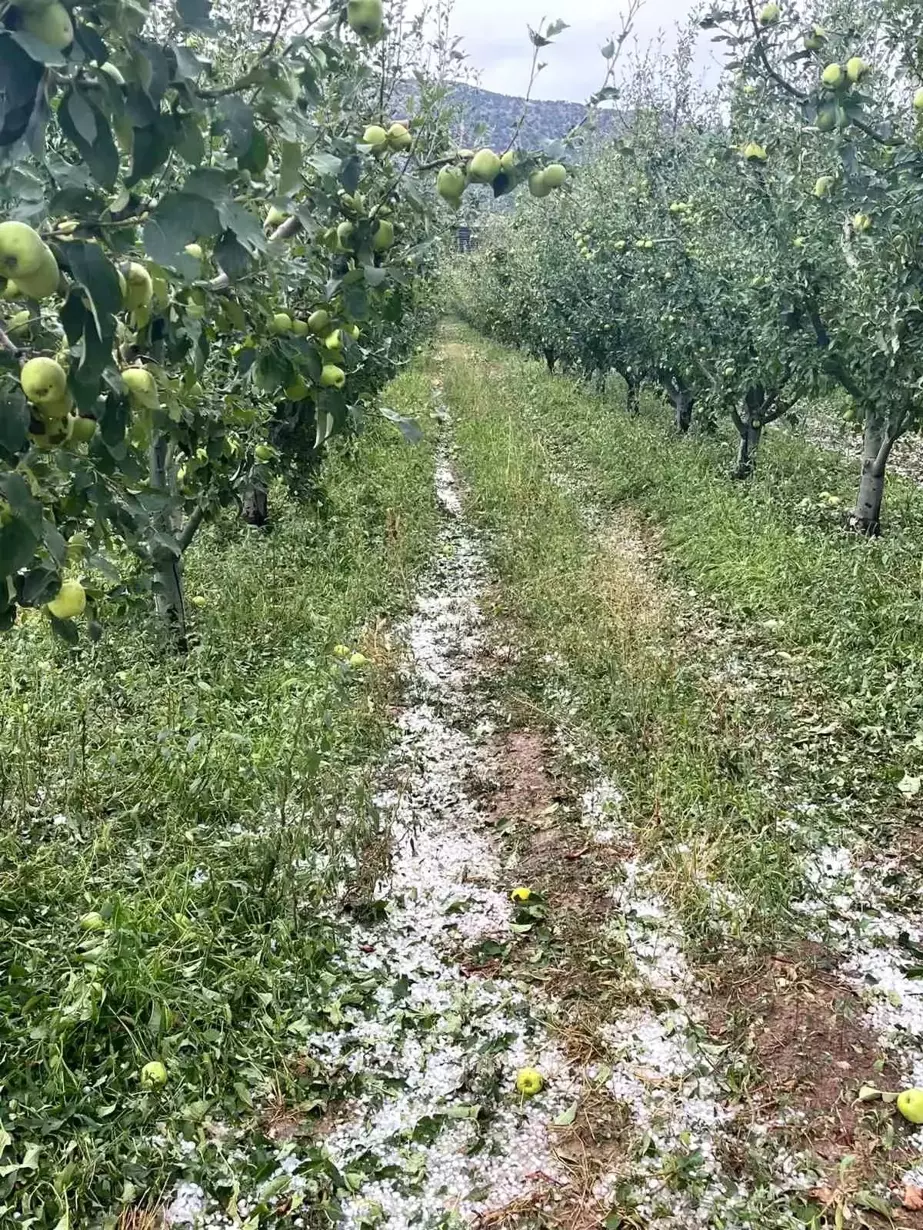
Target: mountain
(486, 118)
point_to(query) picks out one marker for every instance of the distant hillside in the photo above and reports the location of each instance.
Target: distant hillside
(486, 118)
(490, 119)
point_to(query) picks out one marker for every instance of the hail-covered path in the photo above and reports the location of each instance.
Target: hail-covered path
(433, 1131)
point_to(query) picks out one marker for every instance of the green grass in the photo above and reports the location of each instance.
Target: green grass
(207, 806)
(784, 669)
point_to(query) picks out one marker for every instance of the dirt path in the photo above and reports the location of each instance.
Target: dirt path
(674, 1097)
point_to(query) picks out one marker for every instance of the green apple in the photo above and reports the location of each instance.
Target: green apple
(384, 236)
(344, 236)
(299, 327)
(918, 100)
(375, 136)
(815, 39)
(139, 287)
(529, 1082)
(555, 174)
(43, 381)
(275, 217)
(399, 137)
(862, 222)
(319, 320)
(194, 250)
(450, 184)
(910, 1104)
(484, 167)
(334, 340)
(769, 15)
(832, 75)
(263, 452)
(21, 250)
(755, 152)
(69, 602)
(856, 69)
(537, 185)
(45, 280)
(281, 323)
(52, 24)
(93, 921)
(332, 377)
(297, 390)
(142, 387)
(366, 18)
(153, 1075)
(80, 430)
(824, 185)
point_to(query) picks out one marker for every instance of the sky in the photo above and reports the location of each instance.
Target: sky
(496, 39)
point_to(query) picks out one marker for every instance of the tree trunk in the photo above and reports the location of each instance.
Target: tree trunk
(632, 395)
(256, 506)
(549, 357)
(750, 436)
(876, 448)
(168, 568)
(750, 429)
(169, 599)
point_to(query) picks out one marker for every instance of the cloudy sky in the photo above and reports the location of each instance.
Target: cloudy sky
(496, 38)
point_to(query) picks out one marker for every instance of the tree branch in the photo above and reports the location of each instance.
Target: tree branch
(191, 527)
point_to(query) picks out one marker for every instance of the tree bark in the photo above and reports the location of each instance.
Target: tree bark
(169, 598)
(749, 426)
(750, 437)
(549, 357)
(876, 449)
(256, 506)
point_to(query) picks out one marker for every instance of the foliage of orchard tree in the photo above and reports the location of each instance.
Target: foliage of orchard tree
(744, 251)
(214, 251)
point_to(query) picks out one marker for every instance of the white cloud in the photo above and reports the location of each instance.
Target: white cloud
(495, 36)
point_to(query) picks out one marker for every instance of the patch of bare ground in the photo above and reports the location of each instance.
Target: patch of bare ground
(808, 1054)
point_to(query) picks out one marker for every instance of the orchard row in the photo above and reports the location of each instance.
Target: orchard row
(747, 249)
(221, 257)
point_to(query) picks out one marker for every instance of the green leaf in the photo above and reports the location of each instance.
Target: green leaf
(566, 1117)
(99, 150)
(38, 50)
(325, 164)
(236, 121)
(14, 422)
(20, 96)
(408, 428)
(17, 546)
(15, 490)
(180, 218)
(289, 167)
(196, 14)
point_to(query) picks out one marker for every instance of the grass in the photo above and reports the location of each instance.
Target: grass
(750, 673)
(208, 807)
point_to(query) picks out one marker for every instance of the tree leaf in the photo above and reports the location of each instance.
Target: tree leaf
(408, 428)
(566, 1117)
(180, 218)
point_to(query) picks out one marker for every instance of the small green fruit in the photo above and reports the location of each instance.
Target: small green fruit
(484, 167)
(43, 381)
(450, 184)
(69, 602)
(754, 152)
(862, 222)
(281, 323)
(538, 186)
(555, 174)
(21, 250)
(918, 100)
(399, 137)
(263, 452)
(140, 288)
(358, 660)
(832, 76)
(521, 894)
(142, 387)
(319, 321)
(856, 69)
(529, 1082)
(275, 217)
(93, 921)
(51, 24)
(153, 1075)
(44, 281)
(375, 136)
(366, 18)
(770, 15)
(824, 185)
(332, 377)
(384, 235)
(910, 1104)
(194, 250)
